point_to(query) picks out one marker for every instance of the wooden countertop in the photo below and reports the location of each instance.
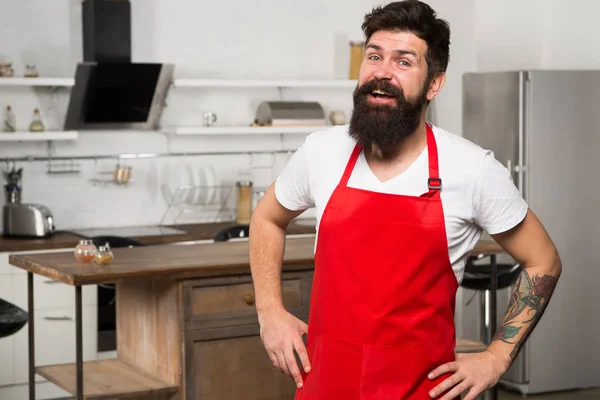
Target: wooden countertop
(175, 262)
(61, 240)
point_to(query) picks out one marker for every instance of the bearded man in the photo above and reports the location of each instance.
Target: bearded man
(400, 205)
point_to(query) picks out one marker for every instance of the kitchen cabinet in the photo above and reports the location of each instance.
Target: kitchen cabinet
(222, 338)
(54, 313)
(5, 267)
(7, 345)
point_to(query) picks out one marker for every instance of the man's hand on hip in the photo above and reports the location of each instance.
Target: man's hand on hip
(474, 373)
(281, 333)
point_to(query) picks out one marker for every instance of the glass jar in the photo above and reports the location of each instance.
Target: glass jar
(6, 70)
(104, 256)
(85, 251)
(36, 123)
(357, 51)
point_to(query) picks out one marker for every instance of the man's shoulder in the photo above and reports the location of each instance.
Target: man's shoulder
(456, 144)
(460, 152)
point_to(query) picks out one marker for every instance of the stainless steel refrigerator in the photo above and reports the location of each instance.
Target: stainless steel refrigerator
(544, 126)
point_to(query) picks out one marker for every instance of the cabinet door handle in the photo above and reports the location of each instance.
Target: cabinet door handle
(249, 298)
(65, 318)
(50, 282)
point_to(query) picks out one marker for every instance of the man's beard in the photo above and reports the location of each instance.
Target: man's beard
(384, 125)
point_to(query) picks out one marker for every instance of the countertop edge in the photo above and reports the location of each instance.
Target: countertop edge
(21, 261)
(182, 273)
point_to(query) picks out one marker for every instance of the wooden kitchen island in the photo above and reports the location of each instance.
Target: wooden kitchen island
(186, 321)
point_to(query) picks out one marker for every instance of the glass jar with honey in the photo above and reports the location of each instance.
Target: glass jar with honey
(104, 256)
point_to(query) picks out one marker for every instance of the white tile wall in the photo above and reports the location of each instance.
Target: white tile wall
(267, 39)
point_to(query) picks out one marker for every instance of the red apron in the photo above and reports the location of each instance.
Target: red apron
(382, 304)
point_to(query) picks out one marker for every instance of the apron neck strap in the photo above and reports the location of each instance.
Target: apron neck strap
(434, 182)
(350, 165)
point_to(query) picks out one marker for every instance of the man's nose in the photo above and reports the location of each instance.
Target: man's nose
(383, 71)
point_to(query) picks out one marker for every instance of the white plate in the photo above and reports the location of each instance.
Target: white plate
(212, 191)
(178, 179)
(200, 193)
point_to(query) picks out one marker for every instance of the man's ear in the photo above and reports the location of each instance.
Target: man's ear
(436, 85)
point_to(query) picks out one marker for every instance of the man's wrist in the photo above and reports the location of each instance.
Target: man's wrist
(501, 356)
(268, 308)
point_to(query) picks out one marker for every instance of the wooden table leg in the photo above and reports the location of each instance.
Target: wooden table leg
(149, 327)
(78, 344)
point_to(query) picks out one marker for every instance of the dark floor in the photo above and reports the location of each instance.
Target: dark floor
(593, 394)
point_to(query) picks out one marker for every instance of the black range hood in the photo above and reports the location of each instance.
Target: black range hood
(110, 91)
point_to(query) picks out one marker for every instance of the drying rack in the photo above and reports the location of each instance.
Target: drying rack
(178, 202)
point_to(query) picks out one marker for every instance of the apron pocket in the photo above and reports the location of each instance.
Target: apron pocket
(336, 371)
(310, 388)
(388, 373)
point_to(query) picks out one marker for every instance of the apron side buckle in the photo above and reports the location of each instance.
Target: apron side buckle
(434, 183)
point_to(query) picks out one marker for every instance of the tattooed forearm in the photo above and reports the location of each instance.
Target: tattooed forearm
(529, 299)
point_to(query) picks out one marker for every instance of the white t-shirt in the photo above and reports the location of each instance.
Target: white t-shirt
(477, 191)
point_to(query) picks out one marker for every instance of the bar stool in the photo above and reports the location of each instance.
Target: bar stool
(478, 277)
(12, 318)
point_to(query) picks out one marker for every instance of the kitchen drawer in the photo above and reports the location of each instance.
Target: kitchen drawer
(7, 291)
(55, 340)
(5, 267)
(51, 294)
(217, 302)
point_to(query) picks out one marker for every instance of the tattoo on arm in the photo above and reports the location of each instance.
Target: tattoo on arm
(529, 299)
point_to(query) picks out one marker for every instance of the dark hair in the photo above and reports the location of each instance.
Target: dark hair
(419, 18)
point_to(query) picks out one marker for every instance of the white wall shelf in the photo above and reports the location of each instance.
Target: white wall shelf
(40, 81)
(38, 136)
(241, 130)
(257, 83)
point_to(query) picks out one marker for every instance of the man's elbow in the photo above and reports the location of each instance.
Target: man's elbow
(555, 264)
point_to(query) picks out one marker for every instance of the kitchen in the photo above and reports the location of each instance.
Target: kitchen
(79, 189)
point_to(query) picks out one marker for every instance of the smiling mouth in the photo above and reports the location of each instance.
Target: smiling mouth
(380, 94)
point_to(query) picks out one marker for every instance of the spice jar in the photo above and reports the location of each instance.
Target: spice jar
(31, 71)
(104, 256)
(85, 251)
(244, 203)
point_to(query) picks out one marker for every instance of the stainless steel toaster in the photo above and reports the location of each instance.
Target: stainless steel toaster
(27, 220)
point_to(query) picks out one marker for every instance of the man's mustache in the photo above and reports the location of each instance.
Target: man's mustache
(384, 86)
